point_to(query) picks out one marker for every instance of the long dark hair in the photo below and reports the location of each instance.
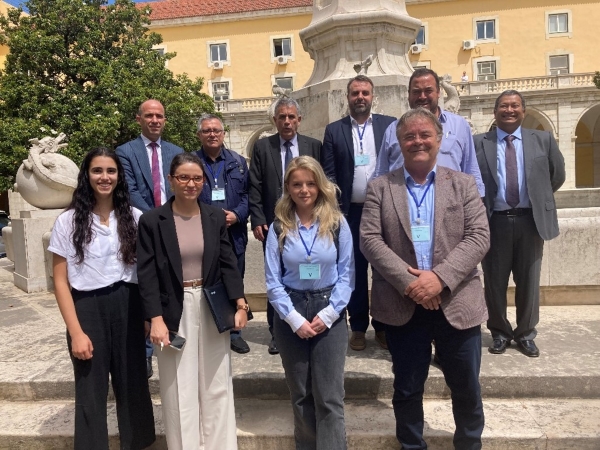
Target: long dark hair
(83, 203)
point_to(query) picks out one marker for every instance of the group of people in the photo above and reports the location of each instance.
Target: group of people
(418, 198)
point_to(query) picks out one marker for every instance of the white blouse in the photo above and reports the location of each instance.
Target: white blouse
(101, 265)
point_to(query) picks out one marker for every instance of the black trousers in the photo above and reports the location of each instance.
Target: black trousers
(112, 319)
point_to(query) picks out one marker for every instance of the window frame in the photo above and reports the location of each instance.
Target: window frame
(211, 92)
(209, 44)
(558, 53)
(568, 33)
(272, 40)
(425, 43)
(274, 78)
(485, 59)
(496, 38)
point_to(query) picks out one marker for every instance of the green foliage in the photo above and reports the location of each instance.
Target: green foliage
(597, 79)
(83, 67)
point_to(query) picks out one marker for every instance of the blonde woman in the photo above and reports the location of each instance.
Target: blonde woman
(310, 276)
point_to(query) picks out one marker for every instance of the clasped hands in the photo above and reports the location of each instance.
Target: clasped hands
(309, 330)
(426, 289)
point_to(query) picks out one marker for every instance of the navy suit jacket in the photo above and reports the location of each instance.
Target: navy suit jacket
(138, 173)
(266, 177)
(337, 156)
(544, 174)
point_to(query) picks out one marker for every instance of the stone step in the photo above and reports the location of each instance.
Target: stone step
(37, 367)
(268, 425)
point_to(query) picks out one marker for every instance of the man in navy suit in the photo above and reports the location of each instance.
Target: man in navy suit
(349, 155)
(147, 182)
(137, 155)
(267, 169)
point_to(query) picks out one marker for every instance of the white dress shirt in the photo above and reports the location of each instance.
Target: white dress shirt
(363, 134)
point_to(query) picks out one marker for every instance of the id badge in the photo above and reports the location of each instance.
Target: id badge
(310, 271)
(420, 233)
(218, 194)
(361, 160)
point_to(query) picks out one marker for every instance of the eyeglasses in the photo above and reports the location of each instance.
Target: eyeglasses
(206, 132)
(185, 179)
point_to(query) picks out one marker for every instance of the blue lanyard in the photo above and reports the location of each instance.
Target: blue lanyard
(308, 252)
(219, 169)
(418, 203)
(361, 135)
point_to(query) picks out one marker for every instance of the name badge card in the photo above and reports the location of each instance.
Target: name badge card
(310, 271)
(420, 233)
(361, 160)
(218, 194)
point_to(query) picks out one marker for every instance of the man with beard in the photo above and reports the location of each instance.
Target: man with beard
(349, 155)
(457, 151)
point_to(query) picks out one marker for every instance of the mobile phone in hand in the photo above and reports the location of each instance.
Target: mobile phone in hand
(177, 342)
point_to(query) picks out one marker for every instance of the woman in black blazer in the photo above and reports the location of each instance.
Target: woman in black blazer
(178, 252)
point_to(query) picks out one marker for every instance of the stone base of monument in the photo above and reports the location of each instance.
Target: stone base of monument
(29, 254)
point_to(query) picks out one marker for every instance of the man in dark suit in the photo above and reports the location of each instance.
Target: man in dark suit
(424, 230)
(146, 162)
(521, 170)
(226, 186)
(270, 157)
(350, 149)
(148, 186)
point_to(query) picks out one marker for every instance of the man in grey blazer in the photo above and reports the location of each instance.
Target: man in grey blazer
(267, 168)
(424, 230)
(137, 156)
(147, 182)
(521, 170)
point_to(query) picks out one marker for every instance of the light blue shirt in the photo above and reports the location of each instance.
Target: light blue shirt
(341, 276)
(500, 201)
(422, 215)
(457, 150)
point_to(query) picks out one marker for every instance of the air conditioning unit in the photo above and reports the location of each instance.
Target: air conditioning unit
(218, 65)
(415, 49)
(281, 60)
(469, 45)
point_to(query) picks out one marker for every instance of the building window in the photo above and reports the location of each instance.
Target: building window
(282, 47)
(486, 70)
(160, 50)
(558, 23)
(285, 83)
(559, 64)
(420, 36)
(220, 90)
(218, 52)
(486, 29)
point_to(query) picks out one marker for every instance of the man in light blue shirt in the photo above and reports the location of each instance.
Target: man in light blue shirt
(457, 151)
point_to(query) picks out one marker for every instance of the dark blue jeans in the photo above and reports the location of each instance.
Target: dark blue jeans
(459, 352)
(314, 371)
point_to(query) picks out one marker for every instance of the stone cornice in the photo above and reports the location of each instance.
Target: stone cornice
(220, 18)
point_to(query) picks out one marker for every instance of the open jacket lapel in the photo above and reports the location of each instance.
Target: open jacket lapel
(490, 143)
(141, 155)
(168, 235)
(212, 240)
(347, 132)
(528, 154)
(400, 198)
(275, 152)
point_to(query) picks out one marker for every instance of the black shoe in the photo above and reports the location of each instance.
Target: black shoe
(273, 350)
(149, 370)
(528, 348)
(239, 345)
(499, 346)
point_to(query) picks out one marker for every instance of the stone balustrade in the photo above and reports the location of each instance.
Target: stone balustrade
(548, 82)
(243, 105)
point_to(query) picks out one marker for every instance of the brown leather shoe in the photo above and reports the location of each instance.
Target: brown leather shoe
(380, 338)
(358, 341)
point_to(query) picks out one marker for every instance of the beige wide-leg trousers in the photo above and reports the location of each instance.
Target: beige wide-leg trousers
(195, 384)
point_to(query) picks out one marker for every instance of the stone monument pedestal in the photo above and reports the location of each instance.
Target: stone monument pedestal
(28, 249)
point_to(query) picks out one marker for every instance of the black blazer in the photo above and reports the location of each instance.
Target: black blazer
(266, 175)
(337, 156)
(159, 267)
(544, 174)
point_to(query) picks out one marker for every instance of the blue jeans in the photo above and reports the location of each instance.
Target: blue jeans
(314, 371)
(459, 352)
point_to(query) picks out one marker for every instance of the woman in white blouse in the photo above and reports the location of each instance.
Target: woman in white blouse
(94, 246)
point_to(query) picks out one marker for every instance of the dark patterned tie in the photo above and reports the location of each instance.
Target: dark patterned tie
(288, 155)
(155, 174)
(512, 174)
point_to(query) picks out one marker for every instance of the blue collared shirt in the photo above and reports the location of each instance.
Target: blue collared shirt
(214, 169)
(500, 201)
(341, 276)
(422, 215)
(457, 150)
